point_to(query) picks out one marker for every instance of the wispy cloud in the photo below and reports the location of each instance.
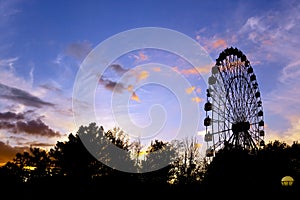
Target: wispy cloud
(8, 8)
(219, 43)
(78, 50)
(270, 40)
(288, 135)
(8, 62)
(139, 56)
(199, 70)
(51, 86)
(290, 72)
(21, 96)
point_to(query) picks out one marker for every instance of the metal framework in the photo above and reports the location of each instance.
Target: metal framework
(234, 111)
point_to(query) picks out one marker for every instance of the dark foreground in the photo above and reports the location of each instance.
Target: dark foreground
(120, 189)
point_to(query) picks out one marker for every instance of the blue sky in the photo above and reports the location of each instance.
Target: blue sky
(43, 44)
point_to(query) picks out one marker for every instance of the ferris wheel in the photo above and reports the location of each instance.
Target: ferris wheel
(234, 111)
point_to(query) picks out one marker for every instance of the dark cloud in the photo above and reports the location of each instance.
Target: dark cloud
(7, 125)
(35, 127)
(24, 123)
(39, 144)
(50, 87)
(11, 115)
(111, 85)
(7, 152)
(21, 96)
(118, 69)
(79, 50)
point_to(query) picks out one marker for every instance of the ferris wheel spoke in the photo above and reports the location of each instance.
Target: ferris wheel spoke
(218, 104)
(220, 113)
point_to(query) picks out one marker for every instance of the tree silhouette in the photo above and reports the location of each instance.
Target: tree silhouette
(239, 170)
(157, 164)
(189, 165)
(71, 159)
(85, 163)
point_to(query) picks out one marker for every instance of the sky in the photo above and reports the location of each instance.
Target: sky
(43, 45)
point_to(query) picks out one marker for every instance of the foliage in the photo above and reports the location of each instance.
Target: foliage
(84, 163)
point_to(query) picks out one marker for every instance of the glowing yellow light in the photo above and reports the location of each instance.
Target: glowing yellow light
(287, 181)
(29, 167)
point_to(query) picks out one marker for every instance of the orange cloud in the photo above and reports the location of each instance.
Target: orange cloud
(156, 69)
(190, 89)
(130, 88)
(196, 99)
(140, 57)
(219, 43)
(135, 97)
(143, 75)
(289, 135)
(8, 152)
(194, 70)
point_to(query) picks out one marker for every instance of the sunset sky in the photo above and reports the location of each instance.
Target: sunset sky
(43, 43)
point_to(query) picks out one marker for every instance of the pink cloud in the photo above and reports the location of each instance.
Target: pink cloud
(219, 43)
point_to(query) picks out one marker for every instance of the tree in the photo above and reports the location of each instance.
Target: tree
(71, 159)
(189, 166)
(157, 163)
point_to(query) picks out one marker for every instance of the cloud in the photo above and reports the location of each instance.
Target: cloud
(112, 85)
(140, 56)
(156, 69)
(51, 87)
(190, 89)
(36, 127)
(193, 70)
(120, 87)
(271, 40)
(142, 75)
(290, 72)
(219, 43)
(215, 43)
(11, 116)
(118, 69)
(8, 62)
(196, 99)
(289, 135)
(134, 97)
(40, 144)
(78, 50)
(8, 152)
(23, 123)
(21, 96)
(8, 8)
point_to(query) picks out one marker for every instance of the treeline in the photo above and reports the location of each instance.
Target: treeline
(72, 169)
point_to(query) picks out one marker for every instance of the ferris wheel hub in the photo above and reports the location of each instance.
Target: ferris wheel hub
(240, 127)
